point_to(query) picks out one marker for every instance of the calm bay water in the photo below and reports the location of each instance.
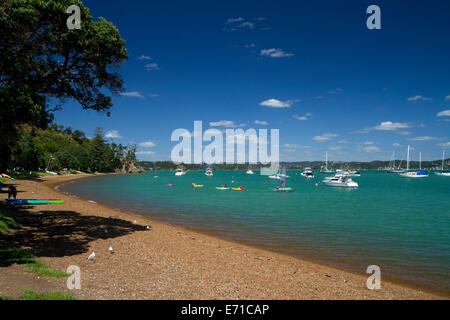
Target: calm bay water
(401, 225)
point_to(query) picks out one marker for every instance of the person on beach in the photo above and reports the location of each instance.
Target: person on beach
(12, 191)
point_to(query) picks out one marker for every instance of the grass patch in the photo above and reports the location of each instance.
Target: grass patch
(6, 222)
(32, 295)
(33, 264)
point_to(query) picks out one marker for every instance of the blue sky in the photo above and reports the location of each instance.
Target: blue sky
(311, 69)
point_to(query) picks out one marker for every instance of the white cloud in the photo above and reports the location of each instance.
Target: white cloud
(226, 124)
(343, 141)
(234, 20)
(404, 133)
(263, 123)
(424, 138)
(247, 24)
(113, 134)
(234, 24)
(147, 144)
(396, 144)
(334, 91)
(368, 143)
(387, 126)
(144, 153)
(391, 126)
(251, 45)
(153, 95)
(275, 103)
(447, 98)
(444, 113)
(444, 145)
(371, 149)
(144, 57)
(275, 53)
(325, 137)
(419, 98)
(152, 66)
(134, 94)
(303, 118)
(295, 146)
(336, 148)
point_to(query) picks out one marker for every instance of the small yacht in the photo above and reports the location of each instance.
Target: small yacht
(209, 172)
(354, 173)
(414, 173)
(250, 172)
(180, 172)
(307, 173)
(340, 181)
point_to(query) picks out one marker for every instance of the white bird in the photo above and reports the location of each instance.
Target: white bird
(111, 250)
(148, 228)
(92, 256)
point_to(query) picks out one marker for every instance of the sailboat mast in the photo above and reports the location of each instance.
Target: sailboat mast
(420, 160)
(407, 163)
(443, 156)
(326, 160)
(393, 160)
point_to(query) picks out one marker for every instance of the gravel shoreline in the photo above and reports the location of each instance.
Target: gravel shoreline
(167, 262)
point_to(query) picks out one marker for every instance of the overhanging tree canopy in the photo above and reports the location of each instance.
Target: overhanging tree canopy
(41, 60)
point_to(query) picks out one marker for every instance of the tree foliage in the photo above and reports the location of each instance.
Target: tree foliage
(57, 148)
(42, 61)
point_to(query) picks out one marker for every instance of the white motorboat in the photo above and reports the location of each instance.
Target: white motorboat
(308, 173)
(354, 173)
(340, 181)
(250, 172)
(180, 172)
(209, 172)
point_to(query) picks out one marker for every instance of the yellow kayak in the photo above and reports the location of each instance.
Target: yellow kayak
(197, 185)
(238, 189)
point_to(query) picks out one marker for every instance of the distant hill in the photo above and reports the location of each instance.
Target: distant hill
(315, 165)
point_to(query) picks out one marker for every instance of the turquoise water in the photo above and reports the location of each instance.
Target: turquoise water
(399, 224)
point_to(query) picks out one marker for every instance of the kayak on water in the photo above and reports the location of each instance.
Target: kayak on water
(170, 185)
(223, 188)
(194, 185)
(239, 189)
(34, 201)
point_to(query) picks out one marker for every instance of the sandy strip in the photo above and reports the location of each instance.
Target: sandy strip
(167, 262)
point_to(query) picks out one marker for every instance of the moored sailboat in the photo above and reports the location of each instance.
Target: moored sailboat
(414, 173)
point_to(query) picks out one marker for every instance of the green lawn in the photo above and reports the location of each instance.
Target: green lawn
(33, 264)
(6, 222)
(31, 295)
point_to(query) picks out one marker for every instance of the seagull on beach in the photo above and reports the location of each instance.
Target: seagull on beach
(92, 256)
(111, 249)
